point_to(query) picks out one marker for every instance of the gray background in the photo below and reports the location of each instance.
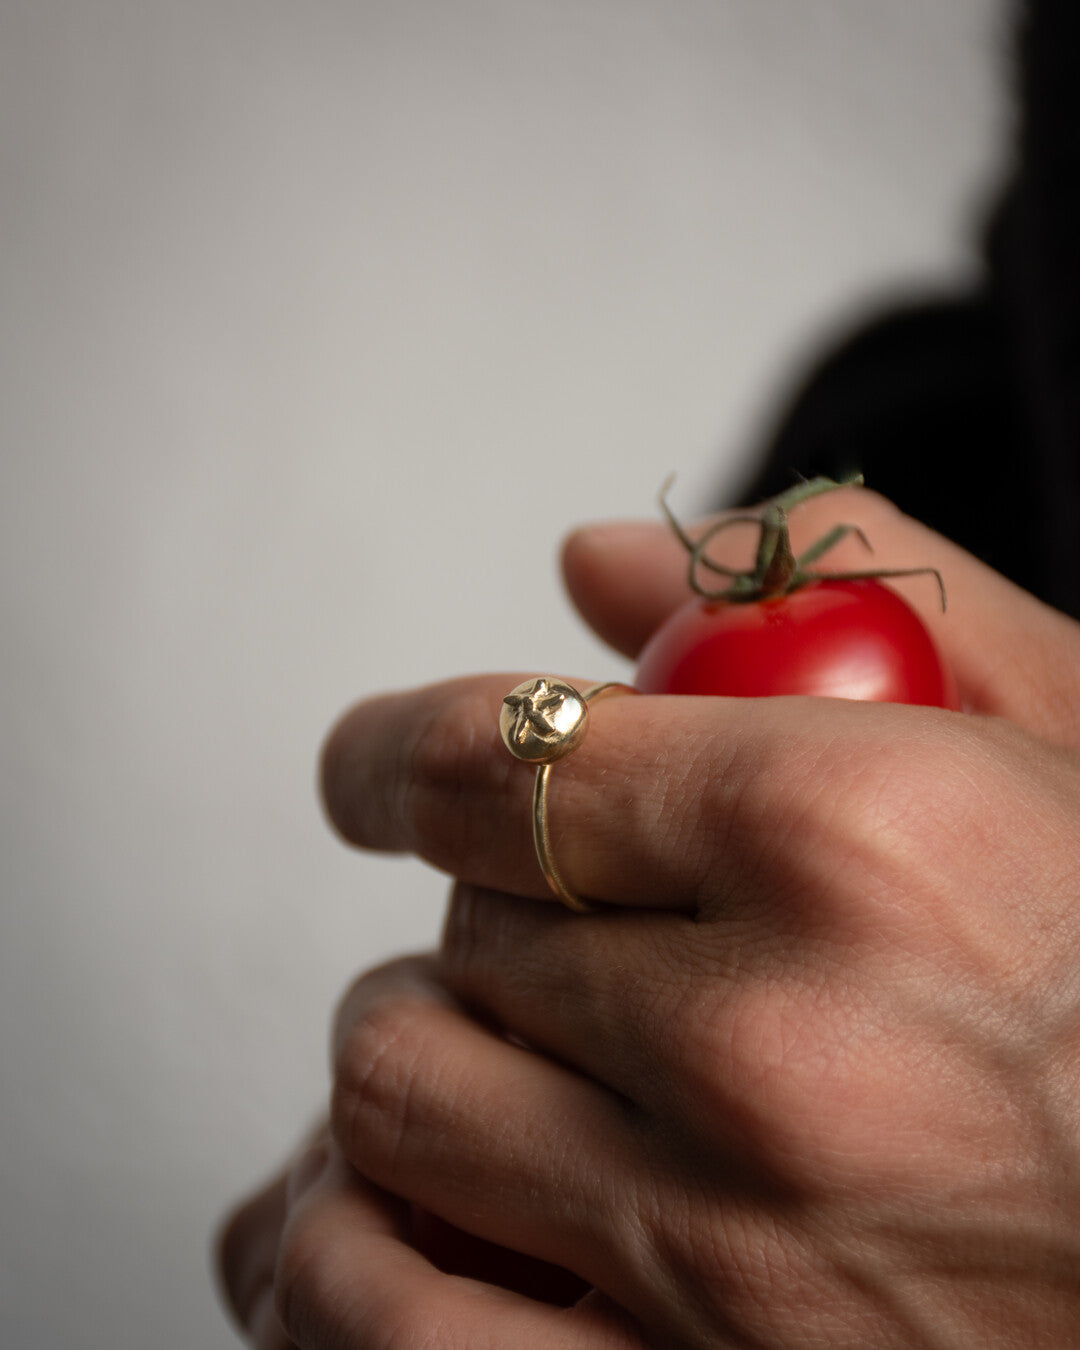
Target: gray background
(295, 300)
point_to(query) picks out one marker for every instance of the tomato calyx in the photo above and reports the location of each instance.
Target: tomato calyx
(777, 571)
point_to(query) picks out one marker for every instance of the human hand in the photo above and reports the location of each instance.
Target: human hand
(248, 1241)
(359, 1268)
(813, 1078)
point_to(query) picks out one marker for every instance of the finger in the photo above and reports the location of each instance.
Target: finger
(454, 1118)
(451, 1116)
(1012, 655)
(607, 995)
(597, 992)
(348, 1278)
(247, 1244)
(425, 772)
(247, 1249)
(662, 790)
(625, 577)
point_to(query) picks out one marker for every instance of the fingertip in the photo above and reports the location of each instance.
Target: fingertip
(330, 772)
(623, 577)
(588, 550)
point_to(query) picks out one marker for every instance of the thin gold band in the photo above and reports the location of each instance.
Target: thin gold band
(541, 833)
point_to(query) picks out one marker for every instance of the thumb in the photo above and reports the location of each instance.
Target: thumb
(625, 578)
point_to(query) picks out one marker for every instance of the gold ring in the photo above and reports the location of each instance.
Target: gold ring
(542, 721)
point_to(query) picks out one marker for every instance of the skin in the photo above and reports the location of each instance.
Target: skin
(812, 1076)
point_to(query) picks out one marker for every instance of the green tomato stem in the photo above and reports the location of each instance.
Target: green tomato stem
(776, 571)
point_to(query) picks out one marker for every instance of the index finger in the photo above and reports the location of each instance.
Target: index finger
(677, 803)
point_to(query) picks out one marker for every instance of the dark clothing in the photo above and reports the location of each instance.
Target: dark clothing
(967, 413)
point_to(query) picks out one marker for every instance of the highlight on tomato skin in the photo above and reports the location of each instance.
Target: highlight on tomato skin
(852, 639)
(784, 626)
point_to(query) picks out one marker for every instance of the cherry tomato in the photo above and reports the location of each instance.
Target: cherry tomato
(835, 638)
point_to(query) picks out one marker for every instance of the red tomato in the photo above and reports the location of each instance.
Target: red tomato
(835, 638)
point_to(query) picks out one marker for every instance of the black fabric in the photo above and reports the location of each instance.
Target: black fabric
(967, 412)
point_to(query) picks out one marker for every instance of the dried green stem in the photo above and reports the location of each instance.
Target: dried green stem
(777, 570)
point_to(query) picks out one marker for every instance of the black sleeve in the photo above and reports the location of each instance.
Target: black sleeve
(967, 412)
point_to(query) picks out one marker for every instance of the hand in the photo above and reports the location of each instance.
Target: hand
(812, 1079)
(381, 1270)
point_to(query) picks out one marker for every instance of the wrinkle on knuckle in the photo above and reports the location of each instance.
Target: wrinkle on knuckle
(373, 1080)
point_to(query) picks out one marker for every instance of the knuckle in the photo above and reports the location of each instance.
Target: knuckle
(765, 1067)
(373, 1078)
(245, 1245)
(308, 1290)
(800, 1083)
(818, 827)
(322, 1296)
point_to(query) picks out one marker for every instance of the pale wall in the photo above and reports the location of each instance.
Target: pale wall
(296, 297)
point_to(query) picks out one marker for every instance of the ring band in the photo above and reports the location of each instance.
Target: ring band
(541, 722)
